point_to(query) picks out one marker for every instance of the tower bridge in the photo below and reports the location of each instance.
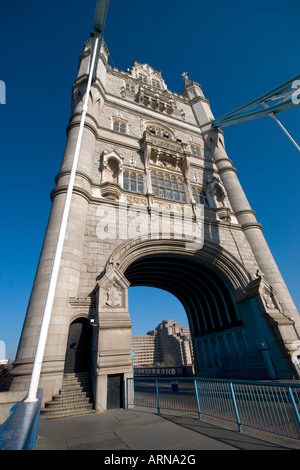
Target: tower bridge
(151, 164)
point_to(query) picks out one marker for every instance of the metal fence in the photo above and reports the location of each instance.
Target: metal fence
(271, 407)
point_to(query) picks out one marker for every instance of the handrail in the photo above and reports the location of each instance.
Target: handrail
(19, 431)
(269, 406)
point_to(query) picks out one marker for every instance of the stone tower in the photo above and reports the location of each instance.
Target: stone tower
(157, 203)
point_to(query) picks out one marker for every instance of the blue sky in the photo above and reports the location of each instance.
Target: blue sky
(236, 50)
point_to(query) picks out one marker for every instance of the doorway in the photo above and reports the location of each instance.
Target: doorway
(78, 355)
(115, 391)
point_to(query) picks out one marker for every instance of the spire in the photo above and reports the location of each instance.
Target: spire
(191, 89)
(185, 78)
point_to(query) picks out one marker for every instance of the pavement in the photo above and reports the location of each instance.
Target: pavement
(119, 430)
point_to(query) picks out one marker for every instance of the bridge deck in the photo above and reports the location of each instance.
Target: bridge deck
(140, 429)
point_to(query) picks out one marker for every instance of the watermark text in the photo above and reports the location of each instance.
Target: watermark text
(126, 222)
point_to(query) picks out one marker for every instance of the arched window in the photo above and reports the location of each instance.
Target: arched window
(200, 196)
(133, 181)
(168, 186)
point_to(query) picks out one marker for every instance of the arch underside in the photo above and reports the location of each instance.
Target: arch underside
(209, 305)
(211, 284)
(220, 342)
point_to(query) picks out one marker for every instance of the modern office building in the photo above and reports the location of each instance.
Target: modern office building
(169, 345)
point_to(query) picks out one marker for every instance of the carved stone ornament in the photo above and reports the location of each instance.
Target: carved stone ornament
(111, 175)
(111, 191)
(112, 289)
(113, 296)
(217, 189)
(223, 213)
(112, 155)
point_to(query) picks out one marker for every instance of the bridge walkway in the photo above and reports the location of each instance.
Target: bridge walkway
(143, 429)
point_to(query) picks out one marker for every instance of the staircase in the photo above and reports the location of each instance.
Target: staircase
(74, 398)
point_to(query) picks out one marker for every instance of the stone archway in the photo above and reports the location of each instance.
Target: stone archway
(226, 308)
(224, 343)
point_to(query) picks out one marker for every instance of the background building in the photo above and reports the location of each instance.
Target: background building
(169, 345)
(144, 350)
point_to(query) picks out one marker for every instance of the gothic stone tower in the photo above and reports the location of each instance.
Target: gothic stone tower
(157, 203)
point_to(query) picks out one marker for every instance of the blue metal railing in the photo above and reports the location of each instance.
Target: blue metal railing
(271, 407)
(19, 431)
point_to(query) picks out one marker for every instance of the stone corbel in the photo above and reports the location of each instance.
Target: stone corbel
(111, 191)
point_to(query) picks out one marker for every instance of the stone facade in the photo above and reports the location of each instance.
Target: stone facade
(153, 184)
(145, 353)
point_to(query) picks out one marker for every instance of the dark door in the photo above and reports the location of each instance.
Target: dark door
(78, 356)
(115, 391)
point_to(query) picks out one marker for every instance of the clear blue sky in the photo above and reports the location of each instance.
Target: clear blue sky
(236, 50)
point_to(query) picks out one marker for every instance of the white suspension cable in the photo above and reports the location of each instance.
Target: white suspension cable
(37, 365)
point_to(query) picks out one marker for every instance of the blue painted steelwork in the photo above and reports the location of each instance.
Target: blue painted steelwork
(197, 398)
(284, 97)
(267, 406)
(236, 411)
(19, 431)
(157, 395)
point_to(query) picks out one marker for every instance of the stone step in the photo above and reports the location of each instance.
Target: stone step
(76, 403)
(64, 395)
(75, 381)
(82, 376)
(74, 398)
(62, 413)
(72, 389)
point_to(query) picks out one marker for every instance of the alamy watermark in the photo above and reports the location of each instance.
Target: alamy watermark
(2, 92)
(125, 222)
(296, 93)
